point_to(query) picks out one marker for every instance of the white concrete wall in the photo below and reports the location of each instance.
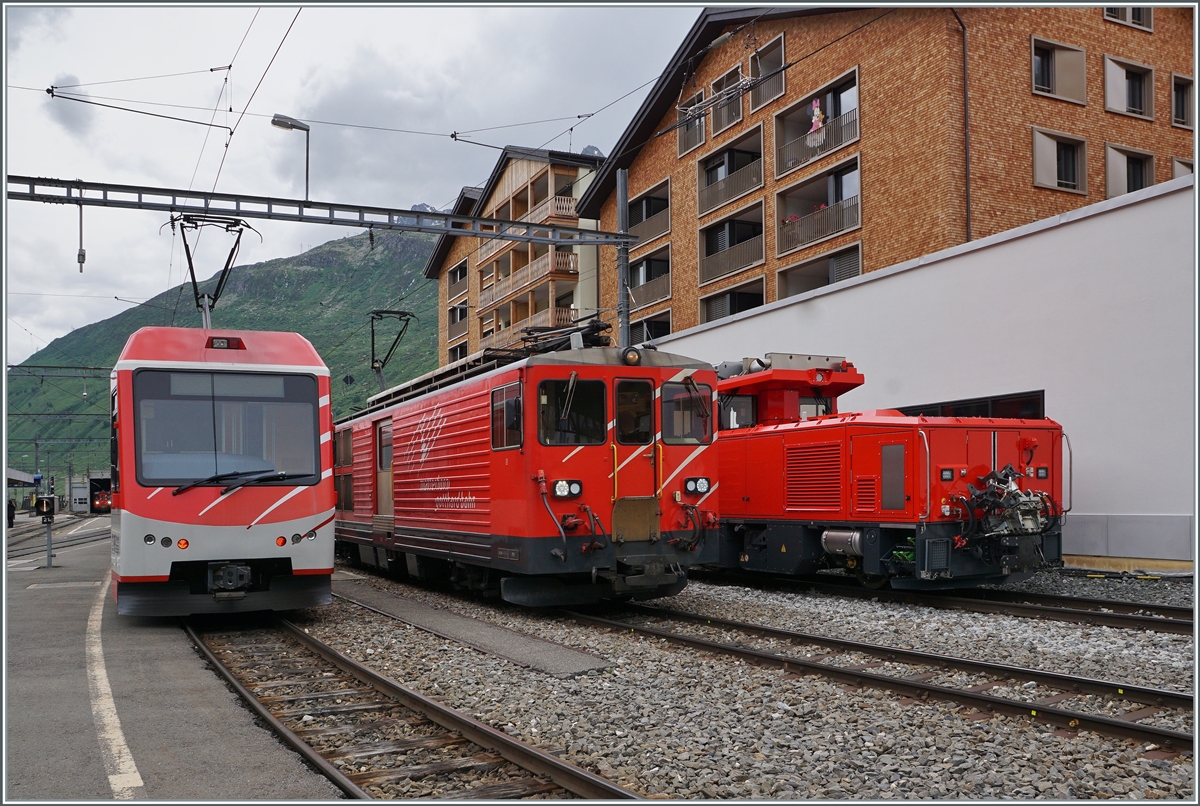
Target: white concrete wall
(1096, 307)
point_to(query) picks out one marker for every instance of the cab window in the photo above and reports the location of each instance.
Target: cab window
(739, 411)
(571, 412)
(635, 412)
(686, 413)
(506, 417)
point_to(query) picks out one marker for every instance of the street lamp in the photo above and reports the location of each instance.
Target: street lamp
(284, 122)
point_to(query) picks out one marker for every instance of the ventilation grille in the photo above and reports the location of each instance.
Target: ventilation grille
(865, 488)
(814, 476)
(937, 555)
(845, 265)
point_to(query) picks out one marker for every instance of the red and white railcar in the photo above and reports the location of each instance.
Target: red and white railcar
(914, 502)
(222, 489)
(564, 477)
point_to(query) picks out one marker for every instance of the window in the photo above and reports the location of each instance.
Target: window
(458, 273)
(727, 162)
(689, 135)
(383, 446)
(635, 412)
(730, 233)
(1136, 16)
(571, 412)
(1126, 170)
(727, 303)
(1024, 406)
(738, 411)
(1058, 71)
(766, 68)
(647, 269)
(192, 425)
(729, 111)
(458, 313)
(646, 207)
(1128, 88)
(1059, 161)
(686, 413)
(820, 272)
(506, 417)
(457, 353)
(845, 184)
(1181, 101)
(649, 329)
(114, 455)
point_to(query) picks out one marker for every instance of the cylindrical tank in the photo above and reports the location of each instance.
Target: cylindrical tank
(842, 541)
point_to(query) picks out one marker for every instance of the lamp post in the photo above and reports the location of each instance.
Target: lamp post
(284, 122)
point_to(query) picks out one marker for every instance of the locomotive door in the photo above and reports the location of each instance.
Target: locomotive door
(637, 458)
(384, 496)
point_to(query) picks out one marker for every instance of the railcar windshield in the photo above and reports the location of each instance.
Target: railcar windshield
(193, 425)
(686, 413)
(571, 412)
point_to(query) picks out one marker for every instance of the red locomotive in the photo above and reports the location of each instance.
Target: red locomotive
(222, 496)
(917, 502)
(557, 478)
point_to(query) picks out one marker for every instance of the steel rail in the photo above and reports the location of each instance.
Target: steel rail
(570, 777)
(1083, 603)
(1066, 682)
(74, 540)
(1170, 739)
(936, 599)
(302, 747)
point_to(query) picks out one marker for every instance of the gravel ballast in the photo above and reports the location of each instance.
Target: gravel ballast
(666, 721)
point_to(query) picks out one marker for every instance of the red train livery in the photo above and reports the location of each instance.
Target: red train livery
(912, 501)
(222, 489)
(565, 477)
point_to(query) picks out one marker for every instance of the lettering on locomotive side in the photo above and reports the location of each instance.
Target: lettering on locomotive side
(431, 485)
(459, 500)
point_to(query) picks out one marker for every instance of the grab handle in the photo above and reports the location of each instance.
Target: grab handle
(928, 476)
(1070, 473)
(614, 447)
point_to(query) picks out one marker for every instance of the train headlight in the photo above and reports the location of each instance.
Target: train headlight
(149, 539)
(312, 535)
(182, 543)
(632, 356)
(281, 541)
(296, 538)
(697, 486)
(567, 488)
(166, 542)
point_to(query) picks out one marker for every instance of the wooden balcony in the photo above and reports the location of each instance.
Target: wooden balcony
(553, 262)
(803, 150)
(767, 91)
(740, 181)
(553, 207)
(735, 258)
(652, 227)
(650, 291)
(456, 329)
(828, 221)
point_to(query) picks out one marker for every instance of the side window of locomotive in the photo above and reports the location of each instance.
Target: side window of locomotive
(571, 412)
(738, 411)
(506, 417)
(686, 413)
(635, 412)
(813, 407)
(383, 447)
(114, 454)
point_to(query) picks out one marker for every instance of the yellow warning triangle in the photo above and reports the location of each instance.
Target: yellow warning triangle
(783, 549)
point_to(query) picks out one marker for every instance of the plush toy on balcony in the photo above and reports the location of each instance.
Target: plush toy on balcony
(818, 117)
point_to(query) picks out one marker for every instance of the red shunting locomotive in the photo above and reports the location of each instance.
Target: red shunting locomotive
(560, 478)
(914, 502)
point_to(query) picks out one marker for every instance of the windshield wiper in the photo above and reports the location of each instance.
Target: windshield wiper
(218, 477)
(697, 397)
(270, 477)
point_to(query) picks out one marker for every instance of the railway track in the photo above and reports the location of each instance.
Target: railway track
(32, 548)
(913, 673)
(1094, 612)
(375, 738)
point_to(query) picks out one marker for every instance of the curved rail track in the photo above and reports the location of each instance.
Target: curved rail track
(1093, 612)
(915, 669)
(373, 737)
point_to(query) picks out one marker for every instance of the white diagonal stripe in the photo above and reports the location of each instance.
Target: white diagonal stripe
(572, 453)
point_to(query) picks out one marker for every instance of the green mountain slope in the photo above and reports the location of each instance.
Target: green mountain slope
(323, 294)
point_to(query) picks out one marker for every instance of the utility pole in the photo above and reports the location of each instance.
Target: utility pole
(623, 259)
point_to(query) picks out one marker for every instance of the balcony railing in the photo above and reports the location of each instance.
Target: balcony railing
(735, 258)
(769, 90)
(808, 147)
(727, 114)
(650, 291)
(652, 227)
(456, 329)
(691, 135)
(825, 222)
(740, 181)
(553, 207)
(491, 247)
(550, 263)
(458, 288)
(550, 317)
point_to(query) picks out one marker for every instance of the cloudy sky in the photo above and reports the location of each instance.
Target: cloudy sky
(434, 70)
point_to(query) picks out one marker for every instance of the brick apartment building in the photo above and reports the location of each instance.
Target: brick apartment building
(488, 290)
(748, 202)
